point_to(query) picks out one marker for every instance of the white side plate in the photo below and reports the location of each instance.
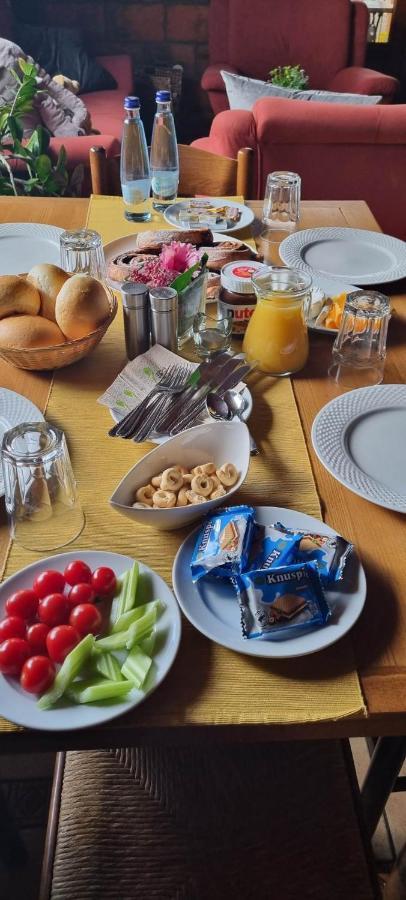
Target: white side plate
(360, 438)
(363, 257)
(171, 215)
(212, 607)
(15, 409)
(21, 708)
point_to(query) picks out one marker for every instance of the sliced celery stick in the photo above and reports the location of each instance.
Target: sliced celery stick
(148, 643)
(107, 665)
(127, 619)
(117, 606)
(136, 666)
(116, 641)
(139, 629)
(70, 668)
(91, 691)
(131, 592)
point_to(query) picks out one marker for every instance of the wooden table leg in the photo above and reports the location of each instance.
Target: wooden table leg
(385, 765)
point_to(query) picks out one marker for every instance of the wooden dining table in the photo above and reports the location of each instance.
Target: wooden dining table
(379, 637)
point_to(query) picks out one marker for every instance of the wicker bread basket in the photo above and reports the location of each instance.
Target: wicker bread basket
(38, 358)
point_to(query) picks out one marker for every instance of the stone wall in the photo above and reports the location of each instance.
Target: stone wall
(152, 31)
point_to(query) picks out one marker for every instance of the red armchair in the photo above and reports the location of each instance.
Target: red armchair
(341, 152)
(106, 110)
(328, 38)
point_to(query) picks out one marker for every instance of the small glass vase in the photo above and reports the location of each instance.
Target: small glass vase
(191, 301)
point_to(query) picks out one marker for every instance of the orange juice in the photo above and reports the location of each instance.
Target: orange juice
(276, 334)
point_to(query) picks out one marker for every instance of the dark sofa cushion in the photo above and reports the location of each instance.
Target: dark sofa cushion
(61, 51)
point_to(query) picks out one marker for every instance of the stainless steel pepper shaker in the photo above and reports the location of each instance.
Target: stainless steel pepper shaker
(164, 317)
(136, 315)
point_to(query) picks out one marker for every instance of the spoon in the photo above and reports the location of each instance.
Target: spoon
(225, 408)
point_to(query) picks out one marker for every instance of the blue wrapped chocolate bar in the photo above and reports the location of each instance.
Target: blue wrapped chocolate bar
(272, 547)
(223, 544)
(281, 602)
(330, 553)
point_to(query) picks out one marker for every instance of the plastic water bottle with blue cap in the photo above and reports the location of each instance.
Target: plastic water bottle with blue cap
(164, 157)
(134, 167)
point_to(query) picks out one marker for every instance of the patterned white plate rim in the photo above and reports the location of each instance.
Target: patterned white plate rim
(360, 437)
(15, 409)
(21, 708)
(212, 607)
(24, 244)
(363, 257)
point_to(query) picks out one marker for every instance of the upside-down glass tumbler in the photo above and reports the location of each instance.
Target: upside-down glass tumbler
(43, 508)
(282, 200)
(82, 252)
(359, 350)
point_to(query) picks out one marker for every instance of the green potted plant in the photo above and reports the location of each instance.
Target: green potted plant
(25, 167)
(293, 77)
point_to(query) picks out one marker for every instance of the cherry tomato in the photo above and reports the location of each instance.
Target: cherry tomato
(86, 619)
(53, 610)
(13, 654)
(13, 626)
(77, 572)
(48, 582)
(60, 641)
(22, 603)
(37, 637)
(37, 674)
(81, 593)
(104, 581)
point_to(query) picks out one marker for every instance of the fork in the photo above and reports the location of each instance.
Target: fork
(158, 404)
(128, 424)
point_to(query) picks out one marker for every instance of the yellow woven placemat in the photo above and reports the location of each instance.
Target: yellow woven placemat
(207, 684)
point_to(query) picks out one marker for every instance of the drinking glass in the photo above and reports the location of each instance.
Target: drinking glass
(82, 252)
(359, 350)
(282, 200)
(276, 336)
(40, 490)
(268, 243)
(211, 333)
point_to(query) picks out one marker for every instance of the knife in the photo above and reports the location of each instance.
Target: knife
(211, 374)
(224, 384)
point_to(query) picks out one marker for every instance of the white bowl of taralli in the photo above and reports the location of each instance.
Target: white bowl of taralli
(221, 444)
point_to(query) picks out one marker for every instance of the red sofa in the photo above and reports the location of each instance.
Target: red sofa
(341, 152)
(106, 109)
(328, 38)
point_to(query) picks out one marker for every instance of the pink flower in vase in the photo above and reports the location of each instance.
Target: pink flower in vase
(177, 257)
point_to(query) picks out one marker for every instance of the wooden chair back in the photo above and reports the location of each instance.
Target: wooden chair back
(201, 172)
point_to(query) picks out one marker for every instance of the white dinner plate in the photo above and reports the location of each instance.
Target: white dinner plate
(360, 437)
(24, 244)
(20, 707)
(15, 409)
(171, 215)
(351, 254)
(161, 439)
(212, 607)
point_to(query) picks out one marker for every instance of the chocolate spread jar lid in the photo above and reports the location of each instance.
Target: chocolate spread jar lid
(236, 276)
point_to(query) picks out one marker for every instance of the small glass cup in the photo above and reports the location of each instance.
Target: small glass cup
(359, 350)
(282, 200)
(40, 489)
(211, 333)
(276, 337)
(268, 243)
(82, 252)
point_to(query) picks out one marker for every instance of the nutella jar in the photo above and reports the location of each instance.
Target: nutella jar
(237, 299)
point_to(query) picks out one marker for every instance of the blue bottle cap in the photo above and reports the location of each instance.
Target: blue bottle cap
(132, 103)
(163, 96)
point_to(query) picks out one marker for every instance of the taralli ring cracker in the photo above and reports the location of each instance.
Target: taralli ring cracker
(172, 480)
(164, 499)
(227, 474)
(145, 494)
(202, 484)
(193, 497)
(156, 481)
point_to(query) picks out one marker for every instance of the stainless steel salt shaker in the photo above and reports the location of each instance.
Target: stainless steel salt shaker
(164, 317)
(136, 318)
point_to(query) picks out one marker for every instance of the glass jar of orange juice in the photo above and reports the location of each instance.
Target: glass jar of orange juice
(276, 335)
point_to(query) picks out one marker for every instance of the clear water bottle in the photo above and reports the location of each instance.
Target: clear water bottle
(134, 167)
(164, 154)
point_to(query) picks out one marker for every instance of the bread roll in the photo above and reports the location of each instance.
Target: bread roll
(81, 306)
(48, 280)
(17, 297)
(27, 332)
(153, 241)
